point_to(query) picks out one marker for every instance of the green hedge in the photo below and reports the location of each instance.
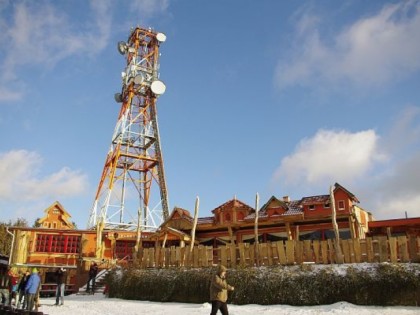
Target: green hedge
(362, 284)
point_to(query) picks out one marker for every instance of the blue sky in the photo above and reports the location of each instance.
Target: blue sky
(275, 97)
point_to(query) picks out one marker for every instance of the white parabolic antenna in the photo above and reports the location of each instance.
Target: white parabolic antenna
(161, 37)
(158, 87)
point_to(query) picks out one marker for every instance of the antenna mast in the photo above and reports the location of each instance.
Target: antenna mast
(133, 178)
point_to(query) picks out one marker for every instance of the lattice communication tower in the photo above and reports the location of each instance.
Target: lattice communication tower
(132, 189)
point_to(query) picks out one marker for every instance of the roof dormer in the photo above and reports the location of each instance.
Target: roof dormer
(231, 212)
(56, 217)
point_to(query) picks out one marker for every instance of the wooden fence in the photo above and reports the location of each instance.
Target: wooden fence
(376, 249)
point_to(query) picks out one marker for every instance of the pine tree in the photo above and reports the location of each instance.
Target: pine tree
(6, 238)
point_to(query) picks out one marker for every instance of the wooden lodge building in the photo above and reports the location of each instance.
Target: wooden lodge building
(56, 242)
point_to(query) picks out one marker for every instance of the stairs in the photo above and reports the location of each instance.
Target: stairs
(99, 283)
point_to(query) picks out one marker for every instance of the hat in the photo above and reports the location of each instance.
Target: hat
(221, 269)
(34, 270)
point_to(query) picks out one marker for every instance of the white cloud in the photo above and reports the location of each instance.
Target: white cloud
(372, 51)
(405, 132)
(20, 181)
(397, 206)
(383, 171)
(9, 95)
(399, 189)
(148, 8)
(396, 188)
(330, 156)
(40, 35)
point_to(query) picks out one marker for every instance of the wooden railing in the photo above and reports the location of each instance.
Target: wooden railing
(376, 249)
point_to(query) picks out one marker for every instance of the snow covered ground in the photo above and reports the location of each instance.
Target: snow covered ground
(98, 304)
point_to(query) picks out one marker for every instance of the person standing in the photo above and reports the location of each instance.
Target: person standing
(5, 286)
(218, 291)
(21, 290)
(32, 289)
(61, 286)
(93, 271)
(14, 283)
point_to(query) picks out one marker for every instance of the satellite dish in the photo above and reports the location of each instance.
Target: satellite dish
(161, 37)
(158, 87)
(122, 48)
(138, 79)
(118, 97)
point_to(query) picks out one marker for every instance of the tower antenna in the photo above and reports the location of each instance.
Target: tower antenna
(133, 177)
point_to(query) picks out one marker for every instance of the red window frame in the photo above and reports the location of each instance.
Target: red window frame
(124, 249)
(57, 243)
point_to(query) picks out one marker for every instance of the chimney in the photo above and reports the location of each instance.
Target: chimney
(286, 198)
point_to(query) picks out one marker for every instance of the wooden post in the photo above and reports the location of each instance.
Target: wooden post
(288, 231)
(257, 256)
(197, 205)
(164, 240)
(99, 246)
(388, 232)
(334, 223)
(138, 236)
(232, 241)
(351, 225)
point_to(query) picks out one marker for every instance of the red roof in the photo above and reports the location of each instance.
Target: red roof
(394, 222)
(233, 203)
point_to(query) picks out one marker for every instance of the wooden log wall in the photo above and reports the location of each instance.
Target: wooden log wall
(376, 249)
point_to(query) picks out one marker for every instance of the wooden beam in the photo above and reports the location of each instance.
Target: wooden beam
(334, 223)
(197, 205)
(164, 240)
(257, 199)
(288, 231)
(232, 241)
(138, 234)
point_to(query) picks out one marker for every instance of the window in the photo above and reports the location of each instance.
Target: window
(227, 217)
(327, 205)
(45, 224)
(55, 225)
(124, 249)
(49, 243)
(311, 207)
(341, 205)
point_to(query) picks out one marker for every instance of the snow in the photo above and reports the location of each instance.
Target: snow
(99, 304)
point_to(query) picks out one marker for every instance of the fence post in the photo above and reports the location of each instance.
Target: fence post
(257, 254)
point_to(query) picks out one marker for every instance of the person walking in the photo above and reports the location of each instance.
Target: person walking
(93, 271)
(32, 289)
(61, 286)
(219, 291)
(21, 290)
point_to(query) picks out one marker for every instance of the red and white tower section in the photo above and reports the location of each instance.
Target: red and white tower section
(132, 189)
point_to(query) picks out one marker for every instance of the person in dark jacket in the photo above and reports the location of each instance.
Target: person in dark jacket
(218, 291)
(61, 285)
(21, 290)
(93, 271)
(32, 289)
